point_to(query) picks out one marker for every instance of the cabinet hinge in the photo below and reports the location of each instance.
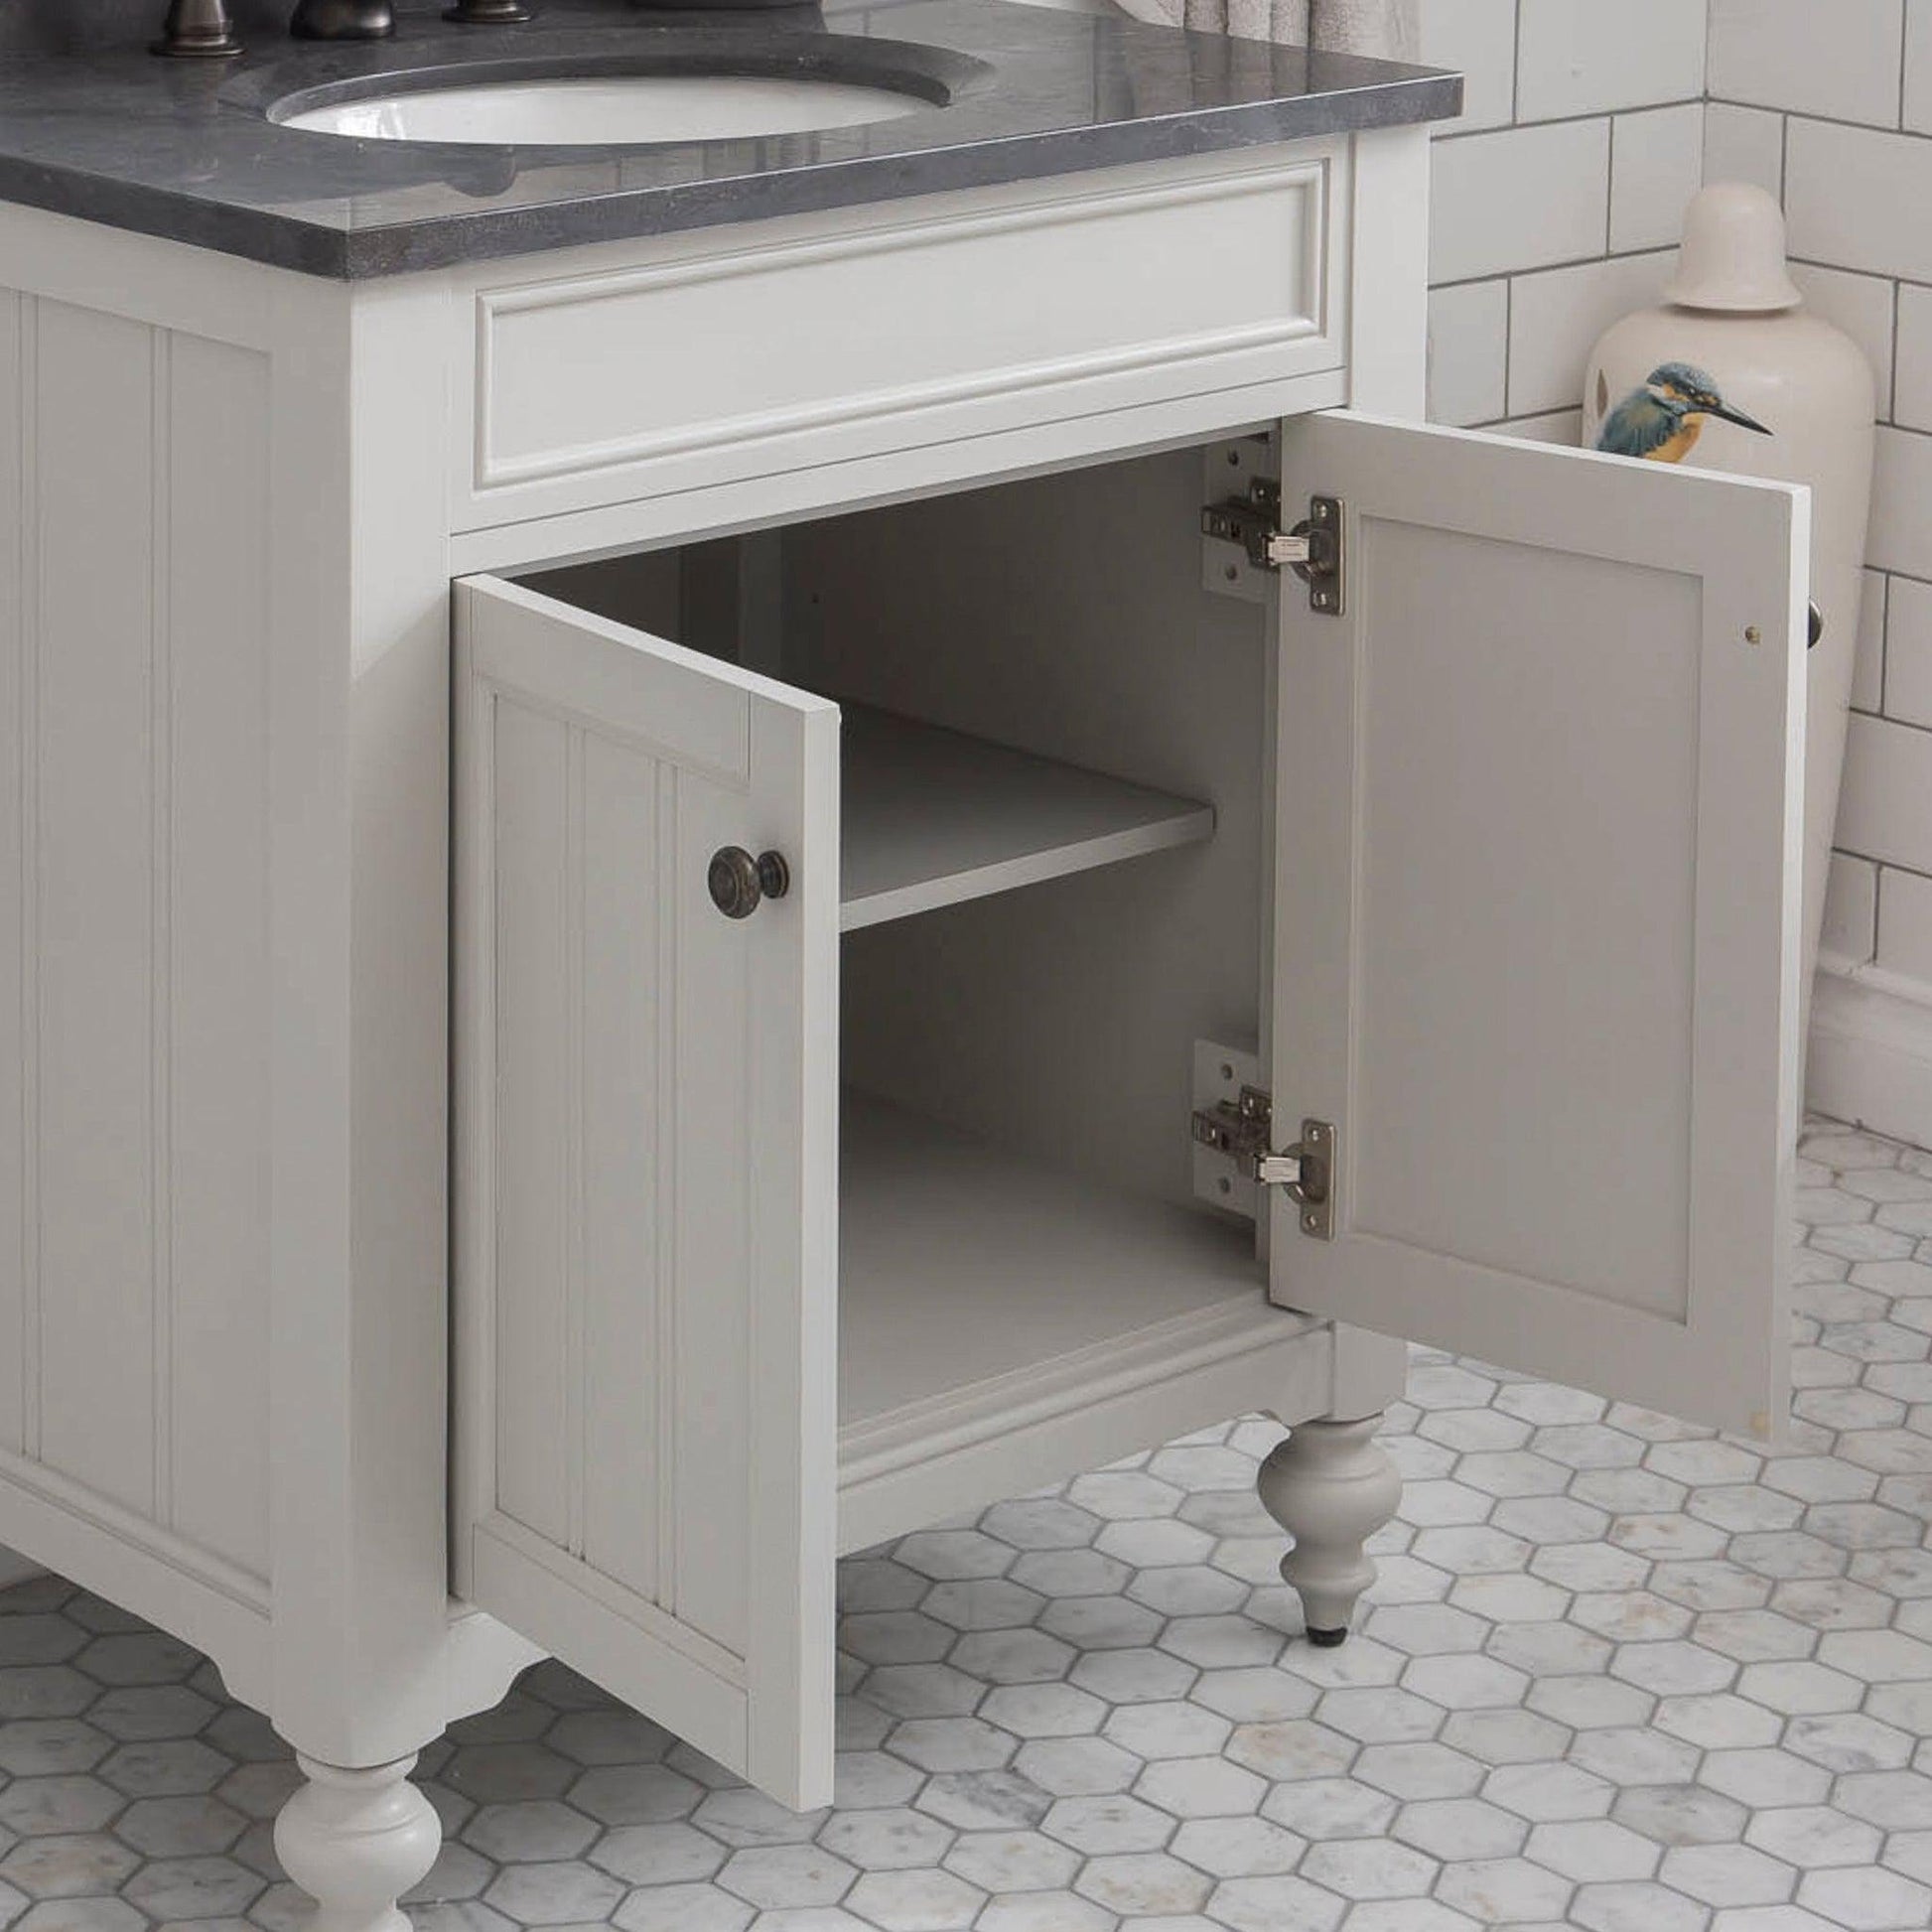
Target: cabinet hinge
(1313, 550)
(1244, 1129)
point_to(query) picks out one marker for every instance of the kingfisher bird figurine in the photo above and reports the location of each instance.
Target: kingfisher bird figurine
(1663, 420)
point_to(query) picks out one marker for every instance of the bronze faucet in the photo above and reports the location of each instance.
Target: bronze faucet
(198, 30)
(205, 29)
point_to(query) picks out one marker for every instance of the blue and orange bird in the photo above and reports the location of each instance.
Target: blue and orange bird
(1662, 421)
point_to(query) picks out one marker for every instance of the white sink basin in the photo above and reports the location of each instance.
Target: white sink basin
(613, 111)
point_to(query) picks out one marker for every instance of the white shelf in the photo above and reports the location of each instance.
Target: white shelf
(934, 818)
(961, 1264)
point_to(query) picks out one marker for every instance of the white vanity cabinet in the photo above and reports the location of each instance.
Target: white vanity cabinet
(844, 573)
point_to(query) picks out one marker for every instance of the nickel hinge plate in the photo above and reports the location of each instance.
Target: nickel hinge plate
(1243, 1129)
(1313, 549)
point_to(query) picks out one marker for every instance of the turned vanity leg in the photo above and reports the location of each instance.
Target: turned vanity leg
(356, 1841)
(1330, 1486)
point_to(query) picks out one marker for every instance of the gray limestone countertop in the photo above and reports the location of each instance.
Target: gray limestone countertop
(187, 149)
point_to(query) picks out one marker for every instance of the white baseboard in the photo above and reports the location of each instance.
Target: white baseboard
(1870, 1058)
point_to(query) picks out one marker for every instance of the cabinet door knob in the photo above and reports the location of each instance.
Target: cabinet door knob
(738, 882)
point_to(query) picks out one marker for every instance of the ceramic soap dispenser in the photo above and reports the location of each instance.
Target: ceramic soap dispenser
(1731, 373)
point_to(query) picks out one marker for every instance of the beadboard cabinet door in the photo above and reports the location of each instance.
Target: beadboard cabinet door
(1537, 893)
(646, 1319)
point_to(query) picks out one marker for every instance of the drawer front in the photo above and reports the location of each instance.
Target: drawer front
(843, 337)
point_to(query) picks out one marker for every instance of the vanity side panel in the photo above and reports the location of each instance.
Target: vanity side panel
(133, 971)
(97, 640)
(16, 1090)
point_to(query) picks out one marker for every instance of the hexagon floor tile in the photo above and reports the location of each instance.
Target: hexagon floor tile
(1616, 1674)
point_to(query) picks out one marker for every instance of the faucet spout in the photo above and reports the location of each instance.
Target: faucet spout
(342, 20)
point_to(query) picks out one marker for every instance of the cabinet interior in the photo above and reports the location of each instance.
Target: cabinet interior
(1053, 759)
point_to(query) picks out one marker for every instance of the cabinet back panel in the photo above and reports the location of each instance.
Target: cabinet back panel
(1063, 614)
(133, 923)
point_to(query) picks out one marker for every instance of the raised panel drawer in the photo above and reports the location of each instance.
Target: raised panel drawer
(972, 315)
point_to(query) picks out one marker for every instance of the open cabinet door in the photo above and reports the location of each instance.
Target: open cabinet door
(646, 1292)
(1537, 902)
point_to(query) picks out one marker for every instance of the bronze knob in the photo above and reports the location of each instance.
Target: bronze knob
(739, 883)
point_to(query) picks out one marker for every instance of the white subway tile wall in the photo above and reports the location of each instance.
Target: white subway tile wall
(1906, 937)
(1479, 38)
(1519, 197)
(1831, 106)
(1656, 166)
(1851, 908)
(1468, 351)
(1861, 305)
(1838, 59)
(1557, 194)
(1743, 144)
(1555, 317)
(1581, 57)
(1558, 197)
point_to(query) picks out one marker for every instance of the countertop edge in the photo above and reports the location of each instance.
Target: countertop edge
(281, 241)
(275, 241)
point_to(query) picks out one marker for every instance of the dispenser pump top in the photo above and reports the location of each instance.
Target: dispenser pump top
(1734, 254)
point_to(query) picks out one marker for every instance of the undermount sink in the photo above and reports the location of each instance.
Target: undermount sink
(627, 109)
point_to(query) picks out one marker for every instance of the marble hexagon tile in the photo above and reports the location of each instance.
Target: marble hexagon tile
(1617, 1674)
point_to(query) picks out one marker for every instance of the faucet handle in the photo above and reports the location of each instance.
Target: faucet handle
(342, 20)
(198, 30)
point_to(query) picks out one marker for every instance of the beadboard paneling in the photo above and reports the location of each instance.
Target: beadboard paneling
(217, 972)
(536, 1424)
(134, 880)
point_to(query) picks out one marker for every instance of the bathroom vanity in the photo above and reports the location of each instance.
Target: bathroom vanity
(662, 914)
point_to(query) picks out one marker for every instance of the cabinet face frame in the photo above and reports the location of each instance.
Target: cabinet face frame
(1537, 878)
